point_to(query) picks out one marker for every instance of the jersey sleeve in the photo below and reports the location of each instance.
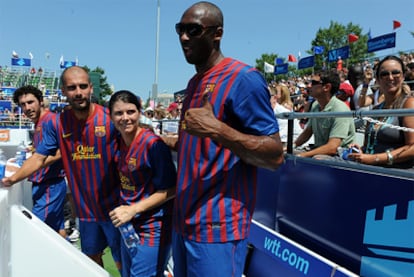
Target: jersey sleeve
(250, 102)
(162, 165)
(49, 144)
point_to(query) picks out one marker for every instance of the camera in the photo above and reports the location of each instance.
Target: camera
(346, 152)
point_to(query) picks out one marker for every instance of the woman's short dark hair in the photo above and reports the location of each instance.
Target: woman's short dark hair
(125, 96)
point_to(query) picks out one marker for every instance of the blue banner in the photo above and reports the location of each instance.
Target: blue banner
(21, 62)
(317, 50)
(67, 64)
(343, 52)
(8, 90)
(381, 42)
(281, 69)
(306, 62)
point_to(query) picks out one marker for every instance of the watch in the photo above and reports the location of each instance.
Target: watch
(390, 157)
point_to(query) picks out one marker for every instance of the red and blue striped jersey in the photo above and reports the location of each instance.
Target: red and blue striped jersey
(54, 170)
(216, 190)
(145, 167)
(88, 150)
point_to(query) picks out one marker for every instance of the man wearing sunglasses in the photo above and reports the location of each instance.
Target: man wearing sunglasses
(86, 138)
(227, 130)
(331, 132)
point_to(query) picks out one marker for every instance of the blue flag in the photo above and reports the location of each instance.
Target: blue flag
(306, 62)
(343, 52)
(278, 61)
(317, 50)
(381, 42)
(67, 64)
(21, 62)
(281, 69)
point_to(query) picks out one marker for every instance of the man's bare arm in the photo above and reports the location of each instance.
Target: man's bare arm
(34, 163)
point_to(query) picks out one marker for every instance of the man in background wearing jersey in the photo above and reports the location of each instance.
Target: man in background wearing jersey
(227, 130)
(48, 183)
(86, 138)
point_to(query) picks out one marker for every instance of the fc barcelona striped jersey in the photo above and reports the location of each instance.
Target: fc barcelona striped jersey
(216, 190)
(88, 150)
(54, 170)
(145, 167)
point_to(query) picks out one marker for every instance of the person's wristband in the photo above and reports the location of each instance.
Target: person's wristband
(390, 157)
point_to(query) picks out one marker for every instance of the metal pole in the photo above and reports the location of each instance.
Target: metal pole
(157, 45)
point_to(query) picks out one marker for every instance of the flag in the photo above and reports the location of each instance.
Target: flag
(281, 69)
(15, 55)
(306, 62)
(76, 61)
(352, 38)
(21, 62)
(31, 55)
(396, 24)
(291, 58)
(268, 68)
(278, 61)
(62, 62)
(317, 50)
(299, 55)
(369, 34)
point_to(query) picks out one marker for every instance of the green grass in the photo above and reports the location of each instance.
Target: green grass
(109, 263)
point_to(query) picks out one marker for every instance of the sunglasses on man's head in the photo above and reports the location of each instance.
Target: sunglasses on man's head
(395, 73)
(73, 87)
(191, 29)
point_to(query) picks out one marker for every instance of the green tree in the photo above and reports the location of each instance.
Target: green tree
(333, 37)
(105, 89)
(336, 36)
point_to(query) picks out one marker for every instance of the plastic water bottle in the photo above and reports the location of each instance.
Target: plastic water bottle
(21, 153)
(3, 162)
(129, 235)
(340, 151)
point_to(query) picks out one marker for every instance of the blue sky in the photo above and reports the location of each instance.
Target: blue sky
(120, 35)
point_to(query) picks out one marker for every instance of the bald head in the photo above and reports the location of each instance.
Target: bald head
(72, 70)
(211, 14)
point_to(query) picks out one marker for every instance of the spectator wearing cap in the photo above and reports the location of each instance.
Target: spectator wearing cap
(345, 93)
(149, 112)
(170, 126)
(173, 111)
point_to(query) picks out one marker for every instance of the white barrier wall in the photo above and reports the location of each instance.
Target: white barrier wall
(28, 247)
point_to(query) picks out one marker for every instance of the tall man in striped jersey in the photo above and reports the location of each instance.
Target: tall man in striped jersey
(48, 184)
(227, 130)
(86, 138)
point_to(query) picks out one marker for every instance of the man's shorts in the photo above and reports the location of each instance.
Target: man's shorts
(48, 202)
(96, 236)
(199, 259)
